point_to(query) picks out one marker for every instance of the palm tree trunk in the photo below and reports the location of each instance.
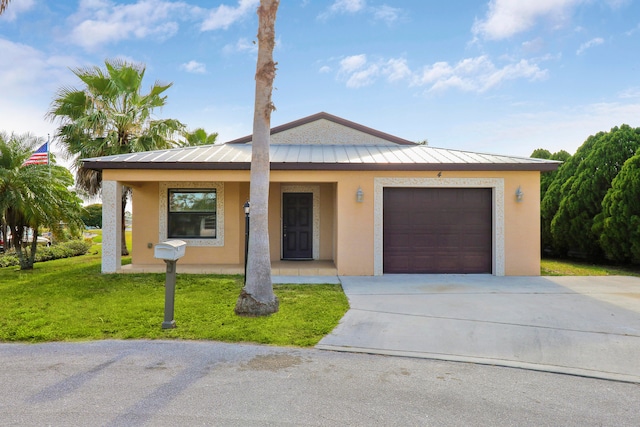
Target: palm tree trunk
(31, 256)
(3, 237)
(3, 5)
(257, 297)
(17, 234)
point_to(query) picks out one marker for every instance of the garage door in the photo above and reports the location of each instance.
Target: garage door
(437, 230)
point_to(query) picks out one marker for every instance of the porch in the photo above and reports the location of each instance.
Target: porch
(278, 268)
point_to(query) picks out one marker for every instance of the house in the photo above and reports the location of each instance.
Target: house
(348, 199)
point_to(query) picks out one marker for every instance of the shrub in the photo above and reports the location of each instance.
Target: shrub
(62, 250)
(8, 259)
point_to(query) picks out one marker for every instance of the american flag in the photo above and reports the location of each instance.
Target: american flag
(39, 157)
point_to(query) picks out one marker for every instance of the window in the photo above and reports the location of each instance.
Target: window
(164, 211)
(192, 213)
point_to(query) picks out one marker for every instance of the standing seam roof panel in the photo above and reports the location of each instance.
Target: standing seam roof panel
(352, 155)
(317, 155)
(274, 153)
(423, 155)
(292, 154)
(376, 155)
(391, 155)
(456, 157)
(443, 157)
(341, 154)
(475, 158)
(214, 151)
(144, 156)
(305, 154)
(404, 156)
(329, 155)
(193, 155)
(364, 154)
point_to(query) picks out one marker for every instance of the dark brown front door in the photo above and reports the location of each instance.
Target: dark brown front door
(297, 226)
(437, 230)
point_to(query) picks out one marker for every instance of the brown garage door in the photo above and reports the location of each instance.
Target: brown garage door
(437, 230)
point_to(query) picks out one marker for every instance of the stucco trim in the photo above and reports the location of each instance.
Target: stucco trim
(496, 184)
(163, 214)
(315, 189)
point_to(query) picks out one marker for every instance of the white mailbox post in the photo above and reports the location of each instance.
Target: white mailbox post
(170, 251)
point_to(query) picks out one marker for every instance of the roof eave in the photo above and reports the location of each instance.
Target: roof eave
(542, 167)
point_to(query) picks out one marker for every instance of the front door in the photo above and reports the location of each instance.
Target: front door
(297, 226)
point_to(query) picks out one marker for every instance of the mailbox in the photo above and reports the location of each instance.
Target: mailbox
(171, 250)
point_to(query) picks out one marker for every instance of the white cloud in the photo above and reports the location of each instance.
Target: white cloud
(434, 73)
(194, 67)
(26, 71)
(591, 43)
(533, 46)
(633, 30)
(352, 63)
(632, 92)
(617, 4)
(475, 74)
(559, 128)
(15, 8)
(386, 13)
(224, 16)
(506, 18)
(325, 69)
(363, 77)
(357, 72)
(383, 13)
(396, 69)
(28, 79)
(520, 70)
(100, 22)
(347, 6)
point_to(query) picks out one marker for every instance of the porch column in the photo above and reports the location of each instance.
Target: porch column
(111, 226)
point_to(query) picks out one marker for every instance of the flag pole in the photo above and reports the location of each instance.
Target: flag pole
(48, 155)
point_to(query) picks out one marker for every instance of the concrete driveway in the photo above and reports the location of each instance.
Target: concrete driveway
(588, 326)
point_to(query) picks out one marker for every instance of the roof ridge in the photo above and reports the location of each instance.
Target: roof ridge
(335, 119)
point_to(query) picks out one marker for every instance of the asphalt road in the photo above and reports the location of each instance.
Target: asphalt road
(162, 383)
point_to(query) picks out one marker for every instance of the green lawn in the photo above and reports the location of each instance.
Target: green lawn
(555, 267)
(67, 300)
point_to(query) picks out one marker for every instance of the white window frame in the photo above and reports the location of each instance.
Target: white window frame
(164, 210)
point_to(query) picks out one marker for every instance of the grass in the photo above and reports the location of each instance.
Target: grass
(70, 300)
(556, 267)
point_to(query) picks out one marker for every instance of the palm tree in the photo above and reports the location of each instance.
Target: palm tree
(33, 196)
(110, 116)
(3, 5)
(257, 297)
(199, 137)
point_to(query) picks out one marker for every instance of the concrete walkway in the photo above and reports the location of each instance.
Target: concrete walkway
(588, 326)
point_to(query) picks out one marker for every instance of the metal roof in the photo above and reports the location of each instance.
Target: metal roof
(320, 157)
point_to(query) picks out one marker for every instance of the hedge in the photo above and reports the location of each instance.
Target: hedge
(62, 250)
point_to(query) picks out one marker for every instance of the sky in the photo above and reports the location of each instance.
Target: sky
(494, 76)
